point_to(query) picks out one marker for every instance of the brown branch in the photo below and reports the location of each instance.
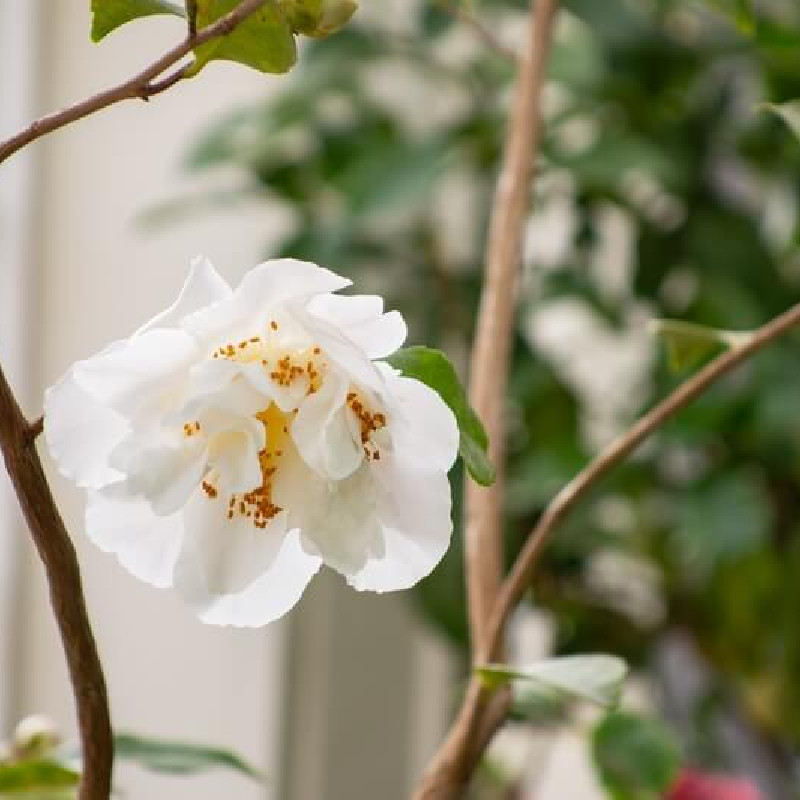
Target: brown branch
(519, 578)
(479, 29)
(66, 594)
(481, 712)
(140, 86)
(493, 336)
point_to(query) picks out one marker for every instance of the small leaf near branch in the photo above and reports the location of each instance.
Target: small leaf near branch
(596, 678)
(108, 15)
(687, 344)
(433, 368)
(789, 112)
(318, 18)
(39, 776)
(178, 758)
(263, 41)
(636, 758)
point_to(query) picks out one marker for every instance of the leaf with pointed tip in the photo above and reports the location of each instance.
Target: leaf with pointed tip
(637, 758)
(789, 112)
(178, 758)
(434, 369)
(688, 344)
(263, 41)
(108, 15)
(38, 776)
(596, 678)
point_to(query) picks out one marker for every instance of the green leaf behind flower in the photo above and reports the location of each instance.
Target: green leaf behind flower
(108, 15)
(39, 777)
(434, 369)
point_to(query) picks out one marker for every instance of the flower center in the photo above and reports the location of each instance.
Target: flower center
(286, 367)
(257, 504)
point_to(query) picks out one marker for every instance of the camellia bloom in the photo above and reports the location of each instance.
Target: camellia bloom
(242, 438)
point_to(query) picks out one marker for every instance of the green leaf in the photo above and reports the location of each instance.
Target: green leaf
(688, 344)
(108, 15)
(178, 758)
(596, 678)
(789, 112)
(434, 369)
(40, 775)
(318, 18)
(263, 41)
(637, 758)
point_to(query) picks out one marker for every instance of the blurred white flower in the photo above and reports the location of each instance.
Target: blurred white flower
(242, 438)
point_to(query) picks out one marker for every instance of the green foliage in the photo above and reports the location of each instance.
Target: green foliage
(688, 344)
(37, 778)
(108, 15)
(178, 758)
(318, 18)
(789, 112)
(596, 678)
(434, 369)
(263, 41)
(637, 758)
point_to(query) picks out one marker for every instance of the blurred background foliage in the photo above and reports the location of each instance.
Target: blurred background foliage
(664, 190)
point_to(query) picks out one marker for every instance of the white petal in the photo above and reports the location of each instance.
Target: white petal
(165, 474)
(337, 519)
(361, 319)
(269, 285)
(344, 353)
(236, 574)
(322, 433)
(81, 433)
(422, 426)
(414, 513)
(146, 544)
(203, 287)
(143, 375)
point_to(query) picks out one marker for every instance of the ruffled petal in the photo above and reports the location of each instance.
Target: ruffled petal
(414, 512)
(267, 286)
(166, 474)
(323, 435)
(143, 376)
(361, 319)
(81, 433)
(204, 286)
(146, 544)
(233, 573)
(423, 428)
(337, 519)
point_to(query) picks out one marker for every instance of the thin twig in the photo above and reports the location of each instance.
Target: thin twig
(66, 594)
(493, 336)
(479, 29)
(519, 578)
(482, 713)
(140, 86)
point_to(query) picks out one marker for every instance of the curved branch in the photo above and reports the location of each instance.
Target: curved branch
(66, 594)
(482, 712)
(140, 86)
(519, 578)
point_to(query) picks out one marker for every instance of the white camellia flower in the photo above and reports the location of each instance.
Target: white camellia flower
(242, 438)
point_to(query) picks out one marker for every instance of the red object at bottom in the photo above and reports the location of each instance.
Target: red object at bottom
(695, 785)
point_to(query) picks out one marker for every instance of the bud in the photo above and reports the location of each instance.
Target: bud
(318, 18)
(35, 737)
